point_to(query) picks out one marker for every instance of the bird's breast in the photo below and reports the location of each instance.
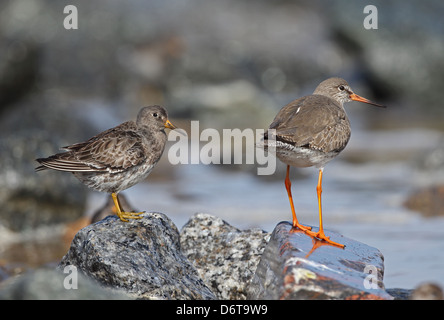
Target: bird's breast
(301, 157)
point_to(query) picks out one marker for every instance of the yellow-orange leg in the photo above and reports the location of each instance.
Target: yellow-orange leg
(296, 224)
(320, 234)
(124, 216)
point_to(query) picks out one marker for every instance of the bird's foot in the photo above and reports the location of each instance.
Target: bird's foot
(321, 235)
(124, 216)
(300, 226)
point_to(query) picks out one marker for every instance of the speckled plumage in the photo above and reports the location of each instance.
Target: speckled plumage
(117, 158)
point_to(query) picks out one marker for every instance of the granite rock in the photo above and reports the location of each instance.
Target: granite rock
(296, 266)
(142, 257)
(224, 256)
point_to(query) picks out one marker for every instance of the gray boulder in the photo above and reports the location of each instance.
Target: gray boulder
(224, 256)
(141, 257)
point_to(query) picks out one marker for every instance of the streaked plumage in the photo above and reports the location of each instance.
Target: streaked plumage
(117, 158)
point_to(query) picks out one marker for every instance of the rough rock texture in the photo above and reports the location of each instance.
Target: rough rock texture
(142, 257)
(224, 256)
(295, 266)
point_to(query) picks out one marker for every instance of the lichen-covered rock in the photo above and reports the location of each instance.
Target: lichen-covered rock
(142, 257)
(224, 256)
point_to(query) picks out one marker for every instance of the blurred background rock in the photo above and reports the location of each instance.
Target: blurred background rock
(228, 64)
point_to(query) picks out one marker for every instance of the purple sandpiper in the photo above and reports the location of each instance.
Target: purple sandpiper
(118, 158)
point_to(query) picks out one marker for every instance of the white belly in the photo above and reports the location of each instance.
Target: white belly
(302, 157)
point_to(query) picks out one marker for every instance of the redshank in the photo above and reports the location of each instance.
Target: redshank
(117, 158)
(311, 131)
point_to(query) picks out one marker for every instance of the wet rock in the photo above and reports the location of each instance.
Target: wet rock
(49, 284)
(142, 257)
(399, 293)
(295, 266)
(428, 201)
(224, 256)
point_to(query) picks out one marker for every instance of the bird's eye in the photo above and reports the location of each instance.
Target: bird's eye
(155, 115)
(342, 88)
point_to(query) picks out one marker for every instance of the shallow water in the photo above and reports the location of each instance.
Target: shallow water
(362, 201)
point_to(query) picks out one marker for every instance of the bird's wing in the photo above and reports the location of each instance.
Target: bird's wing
(308, 120)
(113, 150)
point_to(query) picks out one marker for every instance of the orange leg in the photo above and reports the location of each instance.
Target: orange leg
(320, 234)
(296, 224)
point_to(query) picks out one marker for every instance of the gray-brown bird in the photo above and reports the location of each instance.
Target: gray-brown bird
(117, 158)
(311, 131)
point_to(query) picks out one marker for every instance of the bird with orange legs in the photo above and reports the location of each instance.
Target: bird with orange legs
(312, 131)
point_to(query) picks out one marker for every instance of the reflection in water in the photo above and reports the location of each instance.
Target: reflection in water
(317, 244)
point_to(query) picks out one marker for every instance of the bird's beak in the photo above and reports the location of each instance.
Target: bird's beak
(355, 97)
(169, 125)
